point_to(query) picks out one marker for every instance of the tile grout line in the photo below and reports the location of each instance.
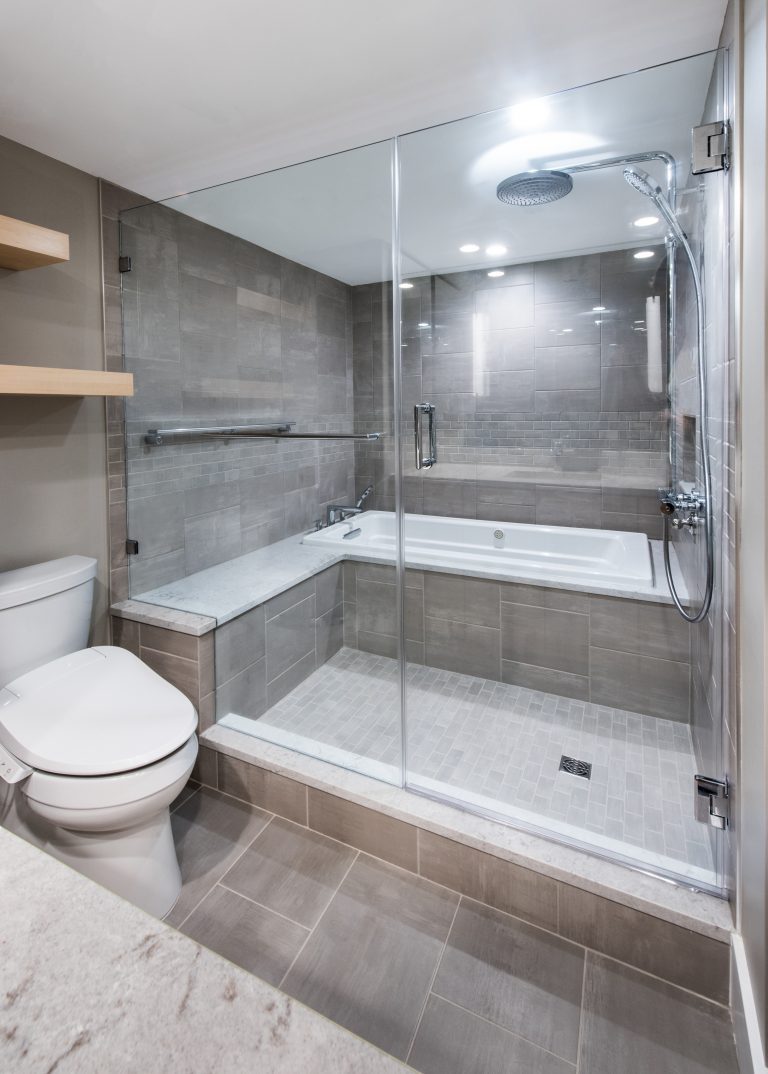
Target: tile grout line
(320, 918)
(428, 993)
(496, 1025)
(261, 905)
(581, 1012)
(526, 921)
(184, 920)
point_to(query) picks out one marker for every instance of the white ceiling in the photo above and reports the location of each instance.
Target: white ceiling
(334, 213)
(166, 96)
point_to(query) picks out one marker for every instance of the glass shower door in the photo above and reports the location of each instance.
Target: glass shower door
(550, 683)
(258, 325)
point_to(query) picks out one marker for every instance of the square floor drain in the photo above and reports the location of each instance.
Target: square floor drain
(575, 767)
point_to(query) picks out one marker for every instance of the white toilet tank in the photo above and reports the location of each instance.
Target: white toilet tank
(45, 612)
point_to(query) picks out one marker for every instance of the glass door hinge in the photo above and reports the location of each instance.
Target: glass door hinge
(131, 547)
(709, 148)
(125, 264)
(712, 803)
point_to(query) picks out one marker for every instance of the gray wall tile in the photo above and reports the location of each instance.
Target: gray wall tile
(640, 683)
(546, 638)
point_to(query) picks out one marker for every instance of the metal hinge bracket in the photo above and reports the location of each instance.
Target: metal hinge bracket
(709, 148)
(131, 547)
(712, 804)
(125, 263)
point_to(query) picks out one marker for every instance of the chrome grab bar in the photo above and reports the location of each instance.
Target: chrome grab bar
(419, 410)
(276, 431)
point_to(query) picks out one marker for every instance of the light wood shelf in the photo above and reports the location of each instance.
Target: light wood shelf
(27, 246)
(44, 380)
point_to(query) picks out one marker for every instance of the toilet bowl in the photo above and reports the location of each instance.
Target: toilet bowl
(95, 746)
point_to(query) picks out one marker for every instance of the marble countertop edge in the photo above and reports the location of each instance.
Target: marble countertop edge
(93, 984)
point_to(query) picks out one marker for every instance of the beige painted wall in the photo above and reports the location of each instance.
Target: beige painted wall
(53, 484)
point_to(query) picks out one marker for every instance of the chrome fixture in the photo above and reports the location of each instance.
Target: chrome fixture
(685, 510)
(274, 431)
(711, 801)
(709, 148)
(337, 512)
(534, 188)
(419, 410)
(351, 533)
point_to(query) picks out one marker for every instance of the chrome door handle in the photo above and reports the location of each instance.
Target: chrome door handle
(419, 410)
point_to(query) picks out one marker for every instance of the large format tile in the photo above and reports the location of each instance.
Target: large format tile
(640, 683)
(210, 831)
(545, 637)
(248, 935)
(463, 647)
(520, 977)
(668, 951)
(291, 870)
(450, 1040)
(268, 790)
(636, 1024)
(369, 963)
(366, 829)
(633, 627)
(489, 879)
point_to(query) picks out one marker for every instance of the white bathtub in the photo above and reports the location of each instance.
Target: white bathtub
(570, 556)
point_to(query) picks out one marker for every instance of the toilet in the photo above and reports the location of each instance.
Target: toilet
(94, 745)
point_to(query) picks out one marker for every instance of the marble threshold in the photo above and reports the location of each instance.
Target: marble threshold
(232, 588)
(701, 913)
(92, 983)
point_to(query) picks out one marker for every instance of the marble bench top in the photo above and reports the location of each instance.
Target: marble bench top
(202, 601)
(91, 984)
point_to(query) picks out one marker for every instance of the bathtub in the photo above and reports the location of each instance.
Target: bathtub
(557, 554)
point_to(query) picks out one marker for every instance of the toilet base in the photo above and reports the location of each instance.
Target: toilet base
(137, 863)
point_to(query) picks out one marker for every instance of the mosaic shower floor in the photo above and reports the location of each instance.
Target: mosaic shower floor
(497, 748)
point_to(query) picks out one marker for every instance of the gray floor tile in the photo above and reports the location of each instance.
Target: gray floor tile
(521, 977)
(458, 724)
(637, 1024)
(291, 870)
(369, 963)
(249, 935)
(210, 831)
(450, 1040)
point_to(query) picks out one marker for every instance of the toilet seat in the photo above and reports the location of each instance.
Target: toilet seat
(99, 713)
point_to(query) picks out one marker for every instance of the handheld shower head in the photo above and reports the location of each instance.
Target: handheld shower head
(644, 184)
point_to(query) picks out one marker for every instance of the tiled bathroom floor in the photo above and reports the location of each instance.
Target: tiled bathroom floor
(448, 985)
(499, 748)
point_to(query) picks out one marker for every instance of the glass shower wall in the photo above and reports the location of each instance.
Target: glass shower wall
(258, 328)
(547, 684)
(470, 603)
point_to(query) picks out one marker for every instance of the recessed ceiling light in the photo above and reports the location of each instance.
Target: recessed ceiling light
(598, 322)
(598, 309)
(496, 249)
(423, 324)
(495, 273)
(643, 255)
(406, 286)
(645, 221)
(567, 330)
(469, 248)
(529, 114)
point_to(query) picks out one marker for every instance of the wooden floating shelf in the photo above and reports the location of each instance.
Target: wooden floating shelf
(44, 380)
(27, 246)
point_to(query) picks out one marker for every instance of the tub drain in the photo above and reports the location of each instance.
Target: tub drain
(575, 767)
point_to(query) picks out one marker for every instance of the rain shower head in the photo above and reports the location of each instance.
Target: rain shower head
(534, 188)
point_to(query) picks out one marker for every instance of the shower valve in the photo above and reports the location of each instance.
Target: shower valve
(685, 506)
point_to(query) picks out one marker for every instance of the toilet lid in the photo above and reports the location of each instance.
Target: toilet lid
(93, 713)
